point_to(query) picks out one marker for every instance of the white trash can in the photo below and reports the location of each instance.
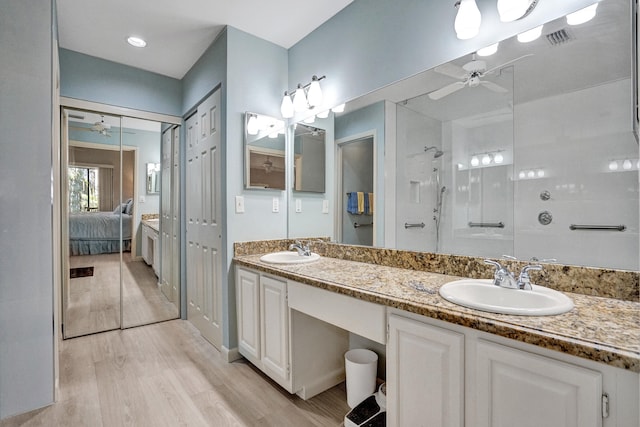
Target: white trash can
(361, 366)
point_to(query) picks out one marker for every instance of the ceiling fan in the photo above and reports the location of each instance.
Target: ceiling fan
(470, 74)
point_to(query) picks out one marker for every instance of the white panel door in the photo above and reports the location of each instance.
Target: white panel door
(175, 215)
(516, 388)
(166, 223)
(275, 327)
(248, 302)
(203, 211)
(425, 375)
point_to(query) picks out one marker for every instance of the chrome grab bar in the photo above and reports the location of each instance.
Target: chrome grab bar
(356, 225)
(487, 224)
(407, 225)
(598, 227)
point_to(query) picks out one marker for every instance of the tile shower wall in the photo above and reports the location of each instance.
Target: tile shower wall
(574, 138)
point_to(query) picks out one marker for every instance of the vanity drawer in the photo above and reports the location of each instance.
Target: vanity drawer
(360, 317)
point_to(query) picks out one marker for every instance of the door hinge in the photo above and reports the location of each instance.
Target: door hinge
(605, 405)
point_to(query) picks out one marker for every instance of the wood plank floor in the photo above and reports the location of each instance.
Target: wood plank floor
(166, 374)
(94, 301)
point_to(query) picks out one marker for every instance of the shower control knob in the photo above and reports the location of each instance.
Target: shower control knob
(545, 218)
(545, 195)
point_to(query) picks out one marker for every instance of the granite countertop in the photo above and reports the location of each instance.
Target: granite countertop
(152, 223)
(600, 329)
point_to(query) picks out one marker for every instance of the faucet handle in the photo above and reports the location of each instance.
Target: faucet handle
(524, 280)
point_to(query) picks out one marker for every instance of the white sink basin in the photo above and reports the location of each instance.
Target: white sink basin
(288, 257)
(482, 294)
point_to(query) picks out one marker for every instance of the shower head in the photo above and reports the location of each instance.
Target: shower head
(438, 153)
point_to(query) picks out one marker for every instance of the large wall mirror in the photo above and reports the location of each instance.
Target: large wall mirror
(264, 152)
(121, 234)
(529, 151)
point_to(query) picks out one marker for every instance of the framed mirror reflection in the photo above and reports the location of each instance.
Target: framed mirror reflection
(264, 154)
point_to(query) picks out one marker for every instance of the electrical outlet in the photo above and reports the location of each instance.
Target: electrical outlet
(239, 204)
(325, 206)
(276, 205)
(298, 205)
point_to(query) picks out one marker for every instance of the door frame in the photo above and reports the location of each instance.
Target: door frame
(339, 190)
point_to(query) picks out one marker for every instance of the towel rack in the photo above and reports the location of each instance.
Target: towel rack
(598, 227)
(407, 225)
(356, 225)
(487, 224)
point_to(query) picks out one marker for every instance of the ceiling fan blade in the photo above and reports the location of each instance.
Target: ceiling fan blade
(490, 70)
(80, 128)
(493, 87)
(446, 90)
(451, 70)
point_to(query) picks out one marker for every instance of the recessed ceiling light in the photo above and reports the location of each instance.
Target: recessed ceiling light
(136, 41)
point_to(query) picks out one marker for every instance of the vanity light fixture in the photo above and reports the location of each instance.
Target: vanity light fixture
(468, 19)
(583, 15)
(136, 41)
(512, 10)
(531, 35)
(338, 108)
(498, 158)
(305, 97)
(486, 159)
(475, 161)
(488, 51)
(613, 165)
(252, 125)
(323, 114)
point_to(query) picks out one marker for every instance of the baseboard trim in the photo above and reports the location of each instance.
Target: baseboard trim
(230, 355)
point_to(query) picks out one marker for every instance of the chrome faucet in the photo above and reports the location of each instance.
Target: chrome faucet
(502, 276)
(303, 250)
(524, 280)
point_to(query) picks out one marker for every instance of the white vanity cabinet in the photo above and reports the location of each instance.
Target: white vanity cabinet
(302, 354)
(150, 253)
(425, 375)
(441, 374)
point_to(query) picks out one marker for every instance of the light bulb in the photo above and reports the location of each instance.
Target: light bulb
(531, 35)
(488, 51)
(310, 119)
(323, 114)
(474, 161)
(583, 15)
(136, 41)
(540, 173)
(300, 100)
(531, 174)
(468, 19)
(486, 159)
(521, 175)
(613, 165)
(286, 108)
(338, 108)
(498, 158)
(314, 95)
(511, 10)
(252, 125)
(626, 164)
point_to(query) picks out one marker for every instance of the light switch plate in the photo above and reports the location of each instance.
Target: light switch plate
(141, 199)
(276, 205)
(325, 206)
(298, 205)
(239, 204)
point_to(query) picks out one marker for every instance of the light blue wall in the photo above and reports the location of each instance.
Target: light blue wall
(369, 120)
(372, 43)
(26, 267)
(93, 79)
(256, 79)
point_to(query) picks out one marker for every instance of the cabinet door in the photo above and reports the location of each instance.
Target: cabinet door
(248, 294)
(275, 327)
(425, 374)
(516, 388)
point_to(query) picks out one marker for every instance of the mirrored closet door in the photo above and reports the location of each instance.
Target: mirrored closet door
(121, 258)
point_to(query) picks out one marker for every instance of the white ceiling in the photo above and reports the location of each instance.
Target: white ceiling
(177, 33)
